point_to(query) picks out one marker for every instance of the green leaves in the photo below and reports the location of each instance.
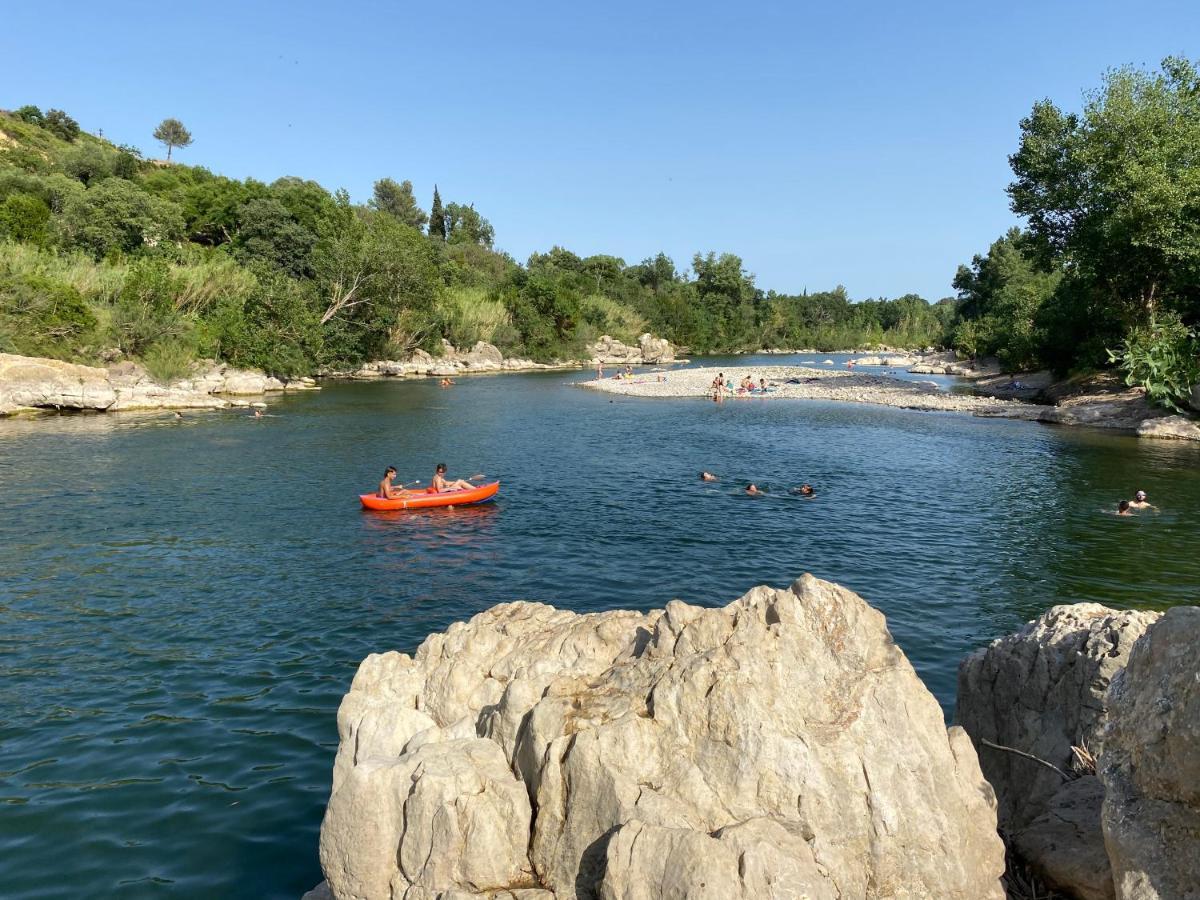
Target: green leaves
(1164, 358)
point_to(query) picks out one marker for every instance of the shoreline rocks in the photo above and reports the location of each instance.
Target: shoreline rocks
(781, 746)
(650, 351)
(34, 384)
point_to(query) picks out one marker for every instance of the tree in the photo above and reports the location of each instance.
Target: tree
(61, 125)
(172, 133)
(466, 226)
(437, 217)
(268, 231)
(30, 114)
(1114, 192)
(116, 215)
(398, 200)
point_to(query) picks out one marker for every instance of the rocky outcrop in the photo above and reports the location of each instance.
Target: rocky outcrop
(896, 362)
(1177, 428)
(1041, 692)
(779, 747)
(28, 383)
(649, 351)
(1151, 764)
(480, 359)
(34, 383)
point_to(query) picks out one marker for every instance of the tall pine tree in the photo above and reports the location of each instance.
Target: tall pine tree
(437, 216)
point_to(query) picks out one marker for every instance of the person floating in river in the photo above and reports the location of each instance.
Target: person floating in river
(753, 491)
(1140, 502)
(707, 476)
(441, 484)
(447, 382)
(805, 490)
(1123, 508)
(387, 490)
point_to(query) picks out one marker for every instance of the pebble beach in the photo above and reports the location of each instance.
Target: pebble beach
(804, 383)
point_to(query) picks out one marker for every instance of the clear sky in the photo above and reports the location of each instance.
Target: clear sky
(860, 143)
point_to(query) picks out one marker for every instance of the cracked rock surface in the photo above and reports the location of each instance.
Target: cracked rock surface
(781, 746)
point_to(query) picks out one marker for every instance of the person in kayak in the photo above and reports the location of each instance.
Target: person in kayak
(441, 484)
(388, 491)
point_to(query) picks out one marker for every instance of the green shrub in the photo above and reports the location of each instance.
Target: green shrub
(170, 360)
(61, 125)
(42, 317)
(25, 218)
(1164, 358)
(145, 312)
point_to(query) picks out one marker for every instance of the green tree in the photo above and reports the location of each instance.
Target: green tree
(44, 318)
(172, 134)
(268, 231)
(398, 200)
(30, 114)
(88, 163)
(466, 226)
(25, 218)
(116, 215)
(437, 217)
(1114, 192)
(61, 125)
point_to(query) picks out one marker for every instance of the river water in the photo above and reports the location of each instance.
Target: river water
(182, 605)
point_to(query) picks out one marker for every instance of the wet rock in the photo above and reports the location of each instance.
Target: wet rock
(1151, 764)
(1179, 428)
(779, 747)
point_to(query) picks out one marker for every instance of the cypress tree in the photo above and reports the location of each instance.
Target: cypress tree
(437, 216)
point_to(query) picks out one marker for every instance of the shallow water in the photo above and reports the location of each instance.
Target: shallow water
(182, 606)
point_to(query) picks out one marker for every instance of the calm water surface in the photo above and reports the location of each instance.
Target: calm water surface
(182, 606)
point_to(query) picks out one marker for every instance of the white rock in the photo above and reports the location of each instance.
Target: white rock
(782, 744)
(30, 382)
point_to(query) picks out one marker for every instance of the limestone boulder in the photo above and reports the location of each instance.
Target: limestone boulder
(655, 351)
(1041, 691)
(781, 746)
(1151, 764)
(34, 383)
(484, 357)
(239, 381)
(1065, 843)
(1178, 428)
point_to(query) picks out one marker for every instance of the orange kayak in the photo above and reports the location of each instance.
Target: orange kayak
(424, 500)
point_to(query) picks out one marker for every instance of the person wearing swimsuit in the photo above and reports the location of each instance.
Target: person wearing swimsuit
(440, 484)
(387, 490)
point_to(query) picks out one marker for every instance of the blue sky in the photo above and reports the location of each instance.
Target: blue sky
(861, 143)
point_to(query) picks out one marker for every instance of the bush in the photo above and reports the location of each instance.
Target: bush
(25, 218)
(42, 317)
(145, 312)
(170, 360)
(1164, 358)
(61, 125)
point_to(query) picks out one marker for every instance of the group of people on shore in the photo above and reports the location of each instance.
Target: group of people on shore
(805, 490)
(721, 386)
(1139, 501)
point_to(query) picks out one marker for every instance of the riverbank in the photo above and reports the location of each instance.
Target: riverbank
(1101, 401)
(805, 383)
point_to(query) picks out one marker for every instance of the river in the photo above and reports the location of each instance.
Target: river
(182, 605)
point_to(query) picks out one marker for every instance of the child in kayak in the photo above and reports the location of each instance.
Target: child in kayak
(440, 484)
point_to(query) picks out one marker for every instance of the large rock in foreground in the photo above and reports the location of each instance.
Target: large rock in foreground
(779, 747)
(1041, 692)
(1151, 764)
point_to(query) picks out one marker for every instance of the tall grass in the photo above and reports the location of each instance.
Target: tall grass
(471, 314)
(96, 282)
(612, 317)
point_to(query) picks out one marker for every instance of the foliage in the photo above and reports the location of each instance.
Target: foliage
(398, 200)
(466, 226)
(117, 216)
(61, 125)
(171, 133)
(1113, 192)
(437, 217)
(145, 314)
(170, 360)
(1164, 358)
(43, 317)
(30, 114)
(275, 327)
(25, 218)
(269, 232)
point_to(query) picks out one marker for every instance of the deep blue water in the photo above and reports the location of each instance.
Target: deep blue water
(182, 606)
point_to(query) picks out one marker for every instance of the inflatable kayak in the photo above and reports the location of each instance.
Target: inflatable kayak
(425, 500)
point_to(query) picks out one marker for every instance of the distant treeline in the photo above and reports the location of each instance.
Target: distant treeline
(101, 248)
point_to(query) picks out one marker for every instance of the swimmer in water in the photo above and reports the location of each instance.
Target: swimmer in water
(805, 490)
(1123, 508)
(753, 491)
(707, 476)
(1140, 502)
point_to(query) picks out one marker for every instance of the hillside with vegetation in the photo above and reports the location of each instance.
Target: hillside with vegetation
(105, 252)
